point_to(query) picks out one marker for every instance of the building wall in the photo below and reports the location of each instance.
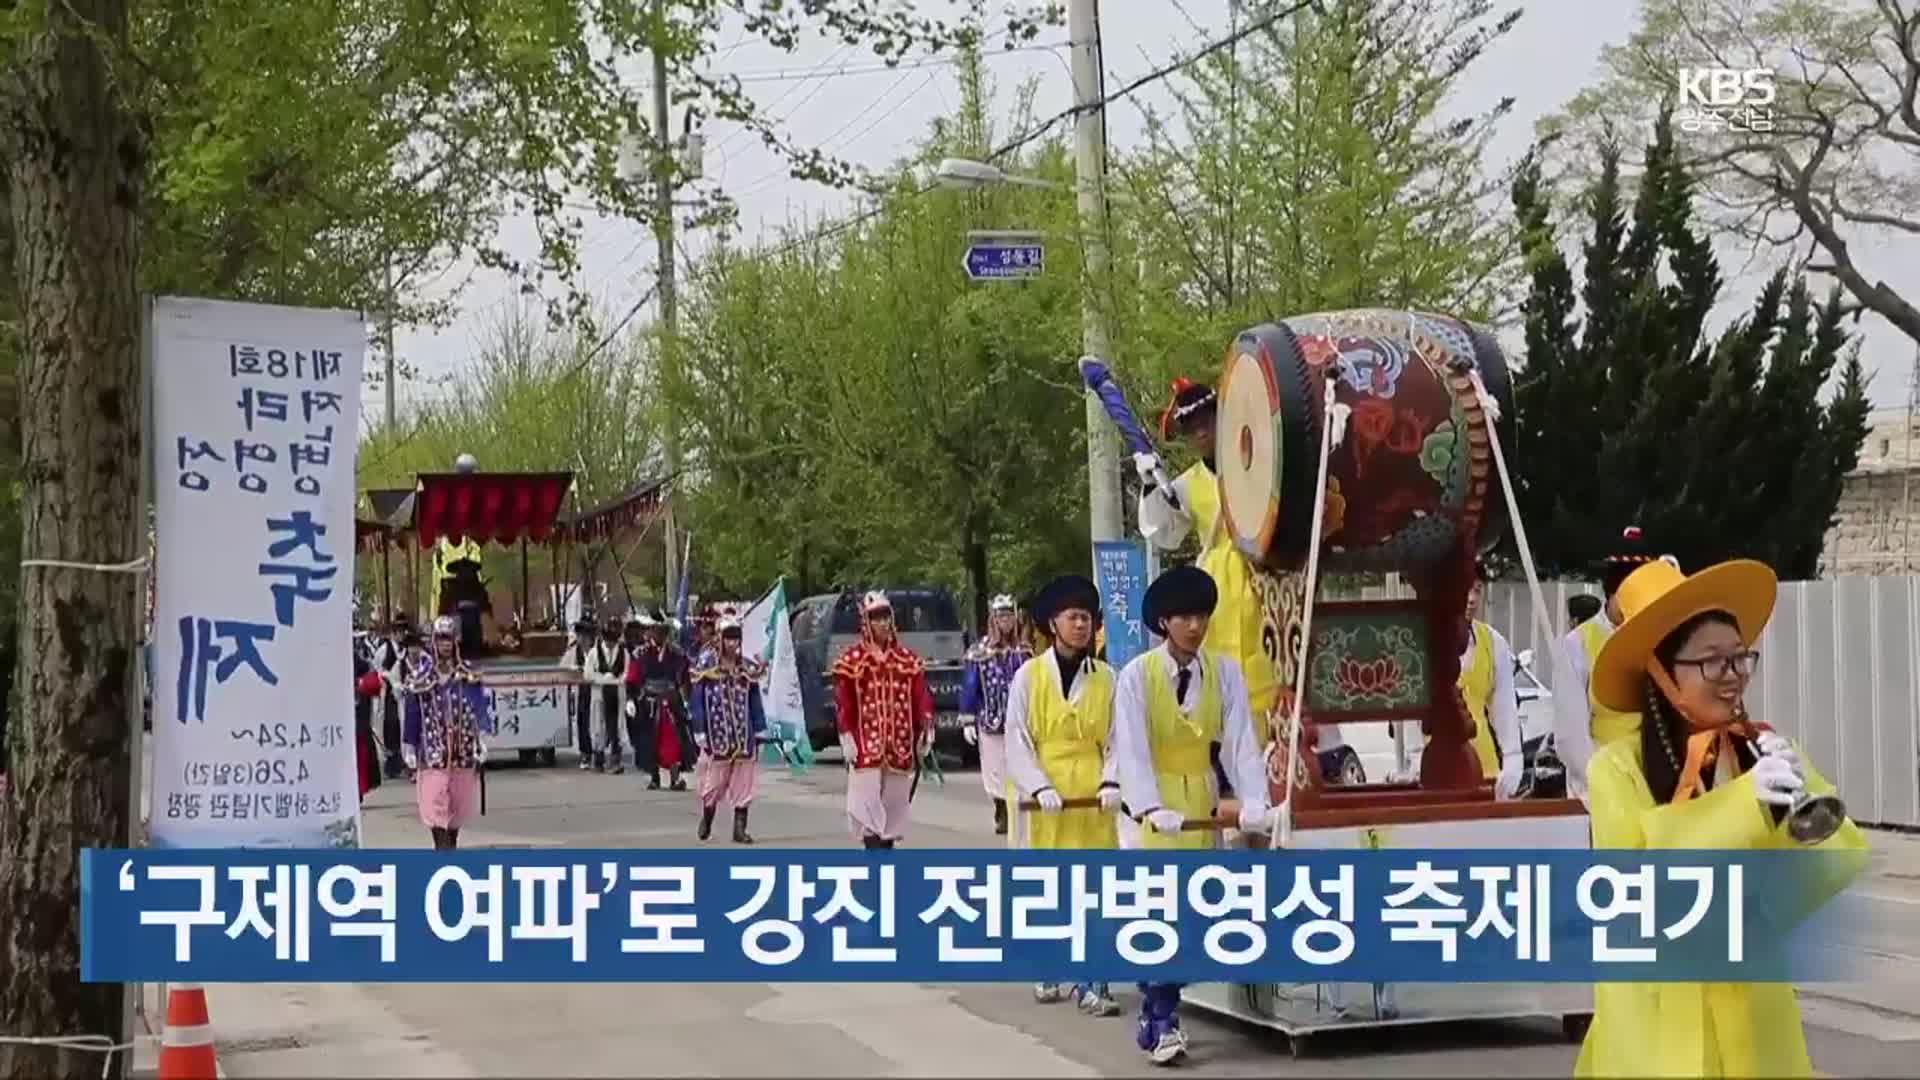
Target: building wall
(1878, 526)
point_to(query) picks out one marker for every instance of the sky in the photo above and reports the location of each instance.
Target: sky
(827, 95)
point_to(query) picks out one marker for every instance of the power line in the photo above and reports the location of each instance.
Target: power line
(1154, 76)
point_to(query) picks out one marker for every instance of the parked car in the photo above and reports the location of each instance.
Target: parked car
(928, 622)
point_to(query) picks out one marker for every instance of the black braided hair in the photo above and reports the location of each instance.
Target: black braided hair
(1663, 731)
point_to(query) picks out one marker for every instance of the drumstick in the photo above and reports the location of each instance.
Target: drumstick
(1227, 818)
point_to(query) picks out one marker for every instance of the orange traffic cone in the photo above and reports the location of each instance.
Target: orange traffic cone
(186, 1043)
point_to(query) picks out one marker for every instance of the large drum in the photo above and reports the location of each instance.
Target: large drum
(1413, 476)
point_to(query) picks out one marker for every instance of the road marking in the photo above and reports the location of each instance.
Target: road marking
(1884, 898)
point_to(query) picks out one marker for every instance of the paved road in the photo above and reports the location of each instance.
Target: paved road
(867, 1030)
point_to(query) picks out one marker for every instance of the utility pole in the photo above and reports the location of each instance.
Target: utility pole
(386, 333)
(1090, 169)
(663, 166)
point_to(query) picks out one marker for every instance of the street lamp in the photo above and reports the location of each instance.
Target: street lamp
(968, 175)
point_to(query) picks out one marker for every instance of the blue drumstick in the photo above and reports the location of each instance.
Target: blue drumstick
(1094, 373)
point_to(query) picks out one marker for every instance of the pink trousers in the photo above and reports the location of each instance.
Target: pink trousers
(877, 803)
(448, 798)
(993, 765)
(730, 781)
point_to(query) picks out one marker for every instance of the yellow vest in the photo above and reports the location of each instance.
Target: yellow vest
(1476, 687)
(1070, 739)
(1607, 724)
(1235, 628)
(1182, 748)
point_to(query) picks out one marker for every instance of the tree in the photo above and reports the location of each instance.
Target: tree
(1839, 159)
(1631, 415)
(1312, 168)
(76, 171)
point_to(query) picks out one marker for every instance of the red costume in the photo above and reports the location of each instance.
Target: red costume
(880, 694)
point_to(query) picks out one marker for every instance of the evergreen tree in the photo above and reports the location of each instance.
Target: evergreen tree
(1630, 413)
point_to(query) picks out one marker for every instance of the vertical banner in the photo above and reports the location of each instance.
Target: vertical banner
(256, 415)
(765, 632)
(1120, 569)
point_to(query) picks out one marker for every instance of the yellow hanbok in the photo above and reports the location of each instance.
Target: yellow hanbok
(1607, 725)
(1697, 1029)
(1182, 747)
(1066, 738)
(1476, 687)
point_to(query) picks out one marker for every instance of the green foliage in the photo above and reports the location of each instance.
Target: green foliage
(1718, 448)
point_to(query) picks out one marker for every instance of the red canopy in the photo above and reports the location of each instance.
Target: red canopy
(500, 507)
(622, 511)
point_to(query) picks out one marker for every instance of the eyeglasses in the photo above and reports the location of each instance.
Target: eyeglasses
(1715, 668)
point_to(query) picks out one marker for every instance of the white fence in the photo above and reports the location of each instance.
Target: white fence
(1839, 672)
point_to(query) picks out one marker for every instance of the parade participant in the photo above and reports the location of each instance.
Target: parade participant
(729, 724)
(574, 659)
(368, 687)
(1581, 725)
(1059, 723)
(659, 672)
(1486, 686)
(991, 665)
(444, 735)
(1236, 626)
(1699, 774)
(389, 660)
(885, 717)
(1580, 608)
(1172, 703)
(606, 672)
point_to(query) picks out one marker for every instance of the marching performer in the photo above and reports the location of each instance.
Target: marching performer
(1581, 725)
(1486, 685)
(659, 682)
(606, 670)
(1059, 727)
(1699, 774)
(1235, 628)
(729, 724)
(574, 659)
(390, 661)
(1172, 704)
(444, 736)
(991, 665)
(885, 716)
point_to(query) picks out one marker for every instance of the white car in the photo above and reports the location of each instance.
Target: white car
(1372, 756)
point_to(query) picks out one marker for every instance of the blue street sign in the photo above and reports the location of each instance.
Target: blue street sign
(988, 260)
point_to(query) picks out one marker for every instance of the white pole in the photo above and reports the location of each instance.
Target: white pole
(1090, 152)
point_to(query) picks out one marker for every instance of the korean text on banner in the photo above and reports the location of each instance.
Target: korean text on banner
(1121, 566)
(256, 414)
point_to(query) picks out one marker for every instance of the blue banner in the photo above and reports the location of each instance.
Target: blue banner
(958, 916)
(1120, 569)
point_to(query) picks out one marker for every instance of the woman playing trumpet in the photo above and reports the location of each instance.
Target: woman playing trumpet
(1700, 775)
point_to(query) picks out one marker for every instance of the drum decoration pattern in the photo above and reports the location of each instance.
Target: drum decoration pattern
(1409, 490)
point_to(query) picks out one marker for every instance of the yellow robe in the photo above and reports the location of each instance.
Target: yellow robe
(1607, 724)
(1476, 686)
(1182, 748)
(1070, 741)
(1235, 629)
(1695, 1029)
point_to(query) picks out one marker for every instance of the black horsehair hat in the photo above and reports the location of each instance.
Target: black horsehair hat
(1065, 593)
(1183, 590)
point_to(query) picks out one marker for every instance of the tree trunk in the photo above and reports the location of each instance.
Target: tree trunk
(976, 561)
(75, 168)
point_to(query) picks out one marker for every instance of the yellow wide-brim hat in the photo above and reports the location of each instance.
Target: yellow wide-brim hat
(1656, 599)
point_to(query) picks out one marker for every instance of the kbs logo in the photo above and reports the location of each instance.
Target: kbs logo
(1722, 88)
(1717, 99)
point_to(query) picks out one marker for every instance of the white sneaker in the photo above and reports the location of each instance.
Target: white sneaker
(1095, 1004)
(1171, 1048)
(1048, 993)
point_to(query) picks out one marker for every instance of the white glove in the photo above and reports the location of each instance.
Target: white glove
(700, 740)
(1773, 744)
(1109, 799)
(1166, 821)
(408, 755)
(971, 733)
(1512, 768)
(480, 754)
(1774, 781)
(1050, 801)
(1255, 817)
(633, 710)
(847, 748)
(1148, 466)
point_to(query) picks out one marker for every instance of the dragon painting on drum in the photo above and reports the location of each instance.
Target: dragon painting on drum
(1410, 489)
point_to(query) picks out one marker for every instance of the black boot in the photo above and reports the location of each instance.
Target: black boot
(654, 783)
(439, 838)
(999, 817)
(453, 840)
(888, 844)
(678, 784)
(740, 826)
(872, 843)
(706, 821)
